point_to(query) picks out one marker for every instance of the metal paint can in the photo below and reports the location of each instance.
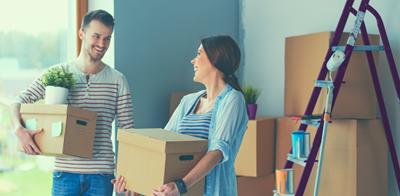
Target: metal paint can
(300, 144)
(284, 181)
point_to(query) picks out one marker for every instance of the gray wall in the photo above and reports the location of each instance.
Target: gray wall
(154, 44)
(266, 24)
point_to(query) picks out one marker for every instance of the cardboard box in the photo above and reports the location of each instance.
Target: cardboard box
(150, 158)
(257, 152)
(175, 101)
(354, 162)
(304, 56)
(68, 131)
(256, 186)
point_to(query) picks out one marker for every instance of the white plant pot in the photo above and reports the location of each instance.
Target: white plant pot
(56, 95)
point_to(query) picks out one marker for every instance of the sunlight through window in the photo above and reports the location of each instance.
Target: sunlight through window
(34, 35)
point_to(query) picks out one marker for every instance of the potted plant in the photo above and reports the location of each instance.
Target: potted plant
(251, 94)
(57, 84)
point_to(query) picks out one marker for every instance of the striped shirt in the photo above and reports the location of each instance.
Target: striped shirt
(196, 125)
(106, 93)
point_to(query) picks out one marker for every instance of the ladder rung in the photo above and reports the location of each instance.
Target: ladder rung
(359, 48)
(307, 117)
(314, 122)
(276, 194)
(323, 83)
(299, 161)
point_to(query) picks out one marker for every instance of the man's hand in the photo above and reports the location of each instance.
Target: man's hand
(25, 136)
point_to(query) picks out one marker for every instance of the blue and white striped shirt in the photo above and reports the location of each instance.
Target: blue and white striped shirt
(196, 125)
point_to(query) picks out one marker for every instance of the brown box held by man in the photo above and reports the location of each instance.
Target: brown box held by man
(68, 131)
(257, 152)
(354, 162)
(150, 158)
(304, 56)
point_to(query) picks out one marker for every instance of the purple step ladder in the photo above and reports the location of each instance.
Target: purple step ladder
(348, 49)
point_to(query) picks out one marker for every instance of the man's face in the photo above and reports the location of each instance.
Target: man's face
(96, 39)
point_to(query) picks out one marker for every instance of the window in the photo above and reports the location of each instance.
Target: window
(34, 35)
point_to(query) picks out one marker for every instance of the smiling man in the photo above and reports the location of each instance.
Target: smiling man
(99, 88)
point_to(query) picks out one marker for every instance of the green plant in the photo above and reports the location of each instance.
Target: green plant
(251, 93)
(56, 77)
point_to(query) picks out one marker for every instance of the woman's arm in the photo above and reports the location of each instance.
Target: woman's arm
(203, 167)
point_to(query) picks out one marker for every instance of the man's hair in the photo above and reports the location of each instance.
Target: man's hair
(100, 15)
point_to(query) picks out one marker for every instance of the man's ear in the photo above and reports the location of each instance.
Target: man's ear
(81, 34)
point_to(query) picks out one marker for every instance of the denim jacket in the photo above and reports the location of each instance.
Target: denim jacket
(227, 127)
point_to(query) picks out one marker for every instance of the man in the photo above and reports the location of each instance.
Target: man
(98, 88)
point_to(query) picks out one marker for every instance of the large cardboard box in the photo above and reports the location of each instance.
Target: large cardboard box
(257, 152)
(354, 162)
(68, 131)
(256, 186)
(150, 158)
(304, 56)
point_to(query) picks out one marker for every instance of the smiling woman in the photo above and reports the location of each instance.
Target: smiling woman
(34, 35)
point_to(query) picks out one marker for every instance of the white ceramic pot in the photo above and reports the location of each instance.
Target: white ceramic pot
(56, 95)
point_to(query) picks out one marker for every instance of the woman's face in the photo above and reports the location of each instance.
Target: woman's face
(202, 66)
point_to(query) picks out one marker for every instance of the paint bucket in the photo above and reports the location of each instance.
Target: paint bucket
(300, 144)
(284, 181)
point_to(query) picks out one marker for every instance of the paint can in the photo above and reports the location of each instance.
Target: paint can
(300, 144)
(284, 181)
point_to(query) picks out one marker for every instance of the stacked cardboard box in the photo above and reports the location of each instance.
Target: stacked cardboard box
(254, 164)
(355, 156)
(304, 56)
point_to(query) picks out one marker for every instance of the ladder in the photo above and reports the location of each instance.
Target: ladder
(359, 26)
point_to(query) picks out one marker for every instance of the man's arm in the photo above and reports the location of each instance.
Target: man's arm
(24, 135)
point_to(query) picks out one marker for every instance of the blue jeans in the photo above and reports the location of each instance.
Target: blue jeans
(75, 184)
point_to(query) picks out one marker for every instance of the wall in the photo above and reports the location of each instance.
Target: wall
(263, 26)
(154, 44)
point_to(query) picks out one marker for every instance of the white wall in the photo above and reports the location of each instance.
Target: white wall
(264, 25)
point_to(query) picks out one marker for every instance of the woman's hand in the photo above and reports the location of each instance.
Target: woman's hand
(169, 189)
(25, 137)
(119, 187)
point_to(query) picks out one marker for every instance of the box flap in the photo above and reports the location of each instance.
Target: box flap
(57, 109)
(161, 140)
(81, 113)
(43, 109)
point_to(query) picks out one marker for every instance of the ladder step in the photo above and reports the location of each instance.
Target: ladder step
(312, 120)
(298, 161)
(307, 117)
(359, 48)
(276, 194)
(323, 83)
(314, 123)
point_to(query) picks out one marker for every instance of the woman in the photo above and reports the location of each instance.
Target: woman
(218, 114)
